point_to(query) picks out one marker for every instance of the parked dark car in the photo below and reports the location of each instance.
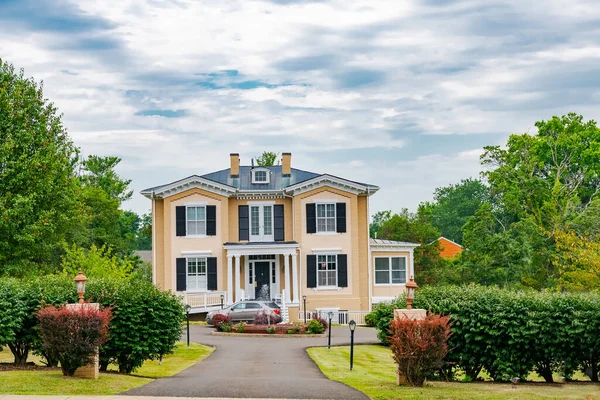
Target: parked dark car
(246, 310)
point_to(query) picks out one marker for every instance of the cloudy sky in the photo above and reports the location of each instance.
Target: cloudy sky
(398, 93)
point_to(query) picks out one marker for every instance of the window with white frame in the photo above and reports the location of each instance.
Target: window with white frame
(196, 220)
(326, 217)
(196, 273)
(260, 176)
(390, 270)
(327, 270)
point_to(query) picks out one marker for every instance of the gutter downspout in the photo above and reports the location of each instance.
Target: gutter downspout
(369, 253)
(153, 240)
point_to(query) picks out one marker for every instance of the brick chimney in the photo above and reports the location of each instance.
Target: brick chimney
(234, 158)
(286, 164)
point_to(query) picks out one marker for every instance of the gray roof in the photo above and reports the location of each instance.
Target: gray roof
(244, 182)
(392, 242)
(145, 255)
(244, 179)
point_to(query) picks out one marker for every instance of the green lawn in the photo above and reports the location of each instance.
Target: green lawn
(52, 382)
(374, 374)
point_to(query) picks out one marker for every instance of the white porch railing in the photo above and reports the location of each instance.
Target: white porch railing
(205, 300)
(341, 317)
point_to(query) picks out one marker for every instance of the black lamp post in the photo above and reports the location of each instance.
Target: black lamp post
(187, 314)
(352, 326)
(304, 298)
(222, 298)
(330, 315)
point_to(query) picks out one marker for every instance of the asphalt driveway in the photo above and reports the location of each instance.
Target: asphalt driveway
(256, 367)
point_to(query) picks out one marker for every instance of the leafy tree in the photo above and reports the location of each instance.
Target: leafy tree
(416, 228)
(144, 233)
(454, 204)
(267, 159)
(546, 183)
(102, 192)
(378, 218)
(96, 262)
(578, 261)
(39, 200)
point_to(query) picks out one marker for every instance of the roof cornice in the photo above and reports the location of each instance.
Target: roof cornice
(333, 181)
(190, 182)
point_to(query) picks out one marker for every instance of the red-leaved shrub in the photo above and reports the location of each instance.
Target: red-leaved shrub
(261, 318)
(72, 336)
(218, 319)
(419, 346)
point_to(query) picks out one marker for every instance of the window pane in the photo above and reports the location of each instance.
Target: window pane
(331, 278)
(200, 213)
(250, 273)
(201, 228)
(191, 213)
(273, 277)
(255, 222)
(202, 265)
(267, 219)
(398, 263)
(330, 210)
(191, 266)
(191, 228)
(330, 225)
(382, 277)
(398, 277)
(321, 225)
(322, 278)
(382, 264)
(320, 210)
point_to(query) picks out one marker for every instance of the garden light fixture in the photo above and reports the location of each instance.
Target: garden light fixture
(411, 287)
(222, 298)
(80, 283)
(330, 315)
(352, 326)
(304, 298)
(187, 315)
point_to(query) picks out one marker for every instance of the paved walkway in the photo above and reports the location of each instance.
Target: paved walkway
(258, 367)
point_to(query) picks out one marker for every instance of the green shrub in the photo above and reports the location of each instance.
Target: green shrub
(510, 333)
(271, 330)
(315, 327)
(290, 332)
(13, 310)
(226, 327)
(240, 327)
(146, 323)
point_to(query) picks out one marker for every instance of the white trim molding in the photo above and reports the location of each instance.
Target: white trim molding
(327, 251)
(196, 253)
(332, 181)
(190, 182)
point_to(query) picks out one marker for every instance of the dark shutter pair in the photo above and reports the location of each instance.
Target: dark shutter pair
(244, 222)
(311, 217)
(211, 221)
(311, 270)
(211, 274)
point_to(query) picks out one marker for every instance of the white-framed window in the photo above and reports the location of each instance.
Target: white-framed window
(261, 222)
(195, 220)
(390, 270)
(326, 270)
(196, 273)
(260, 175)
(326, 217)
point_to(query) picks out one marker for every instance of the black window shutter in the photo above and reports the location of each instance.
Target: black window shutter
(180, 220)
(181, 275)
(244, 222)
(211, 273)
(340, 216)
(311, 218)
(211, 220)
(279, 222)
(342, 267)
(311, 271)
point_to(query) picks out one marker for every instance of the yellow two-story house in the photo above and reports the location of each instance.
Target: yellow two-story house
(277, 232)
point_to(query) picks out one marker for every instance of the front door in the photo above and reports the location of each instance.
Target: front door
(261, 280)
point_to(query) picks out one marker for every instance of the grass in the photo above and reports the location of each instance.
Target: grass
(52, 382)
(374, 374)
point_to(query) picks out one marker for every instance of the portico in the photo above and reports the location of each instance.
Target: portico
(262, 265)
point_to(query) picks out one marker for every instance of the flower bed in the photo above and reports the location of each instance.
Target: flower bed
(279, 329)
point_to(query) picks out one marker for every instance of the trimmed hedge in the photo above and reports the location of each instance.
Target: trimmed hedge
(146, 322)
(511, 333)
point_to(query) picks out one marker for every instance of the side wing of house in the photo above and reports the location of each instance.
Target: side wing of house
(393, 266)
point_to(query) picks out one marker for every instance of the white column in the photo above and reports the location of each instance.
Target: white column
(238, 284)
(295, 278)
(286, 276)
(229, 280)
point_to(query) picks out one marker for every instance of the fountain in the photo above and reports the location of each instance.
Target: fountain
(264, 294)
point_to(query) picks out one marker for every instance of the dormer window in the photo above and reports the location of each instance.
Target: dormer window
(260, 175)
